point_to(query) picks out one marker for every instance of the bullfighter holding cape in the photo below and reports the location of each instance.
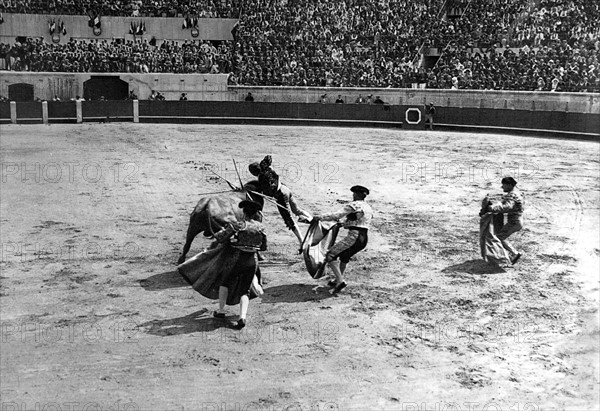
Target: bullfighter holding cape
(493, 233)
(229, 270)
(355, 217)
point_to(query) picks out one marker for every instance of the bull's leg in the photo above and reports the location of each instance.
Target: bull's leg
(193, 230)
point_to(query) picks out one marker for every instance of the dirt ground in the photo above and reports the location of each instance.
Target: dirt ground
(95, 317)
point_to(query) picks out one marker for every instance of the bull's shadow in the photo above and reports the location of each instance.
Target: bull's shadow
(295, 293)
(474, 267)
(199, 321)
(163, 281)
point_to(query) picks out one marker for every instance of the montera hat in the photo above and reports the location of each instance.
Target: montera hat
(509, 180)
(250, 205)
(254, 168)
(360, 189)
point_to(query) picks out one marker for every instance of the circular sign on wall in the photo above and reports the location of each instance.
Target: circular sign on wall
(55, 38)
(97, 31)
(412, 115)
(195, 32)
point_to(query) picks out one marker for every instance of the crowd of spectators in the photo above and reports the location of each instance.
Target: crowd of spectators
(127, 8)
(498, 45)
(331, 42)
(549, 46)
(546, 69)
(102, 56)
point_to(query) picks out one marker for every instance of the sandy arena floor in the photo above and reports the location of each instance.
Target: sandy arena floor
(94, 317)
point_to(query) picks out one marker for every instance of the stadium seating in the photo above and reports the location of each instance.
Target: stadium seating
(119, 56)
(545, 45)
(142, 8)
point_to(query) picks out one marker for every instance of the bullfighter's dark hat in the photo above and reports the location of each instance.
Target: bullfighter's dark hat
(250, 205)
(254, 168)
(509, 180)
(360, 189)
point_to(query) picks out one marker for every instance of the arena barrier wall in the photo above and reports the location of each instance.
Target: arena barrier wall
(62, 112)
(194, 111)
(107, 110)
(214, 87)
(538, 122)
(581, 125)
(505, 99)
(4, 112)
(36, 25)
(29, 112)
(67, 86)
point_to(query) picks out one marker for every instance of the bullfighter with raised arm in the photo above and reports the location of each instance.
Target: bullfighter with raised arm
(357, 217)
(268, 181)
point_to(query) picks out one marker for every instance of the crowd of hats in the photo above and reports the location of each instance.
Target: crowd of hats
(553, 46)
(547, 45)
(127, 8)
(103, 56)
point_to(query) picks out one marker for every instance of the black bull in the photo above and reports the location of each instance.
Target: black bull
(213, 213)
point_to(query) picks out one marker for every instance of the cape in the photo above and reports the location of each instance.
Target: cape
(318, 240)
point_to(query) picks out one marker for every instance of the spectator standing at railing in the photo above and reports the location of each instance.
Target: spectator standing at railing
(429, 114)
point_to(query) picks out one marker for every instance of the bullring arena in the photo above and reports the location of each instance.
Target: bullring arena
(117, 117)
(94, 314)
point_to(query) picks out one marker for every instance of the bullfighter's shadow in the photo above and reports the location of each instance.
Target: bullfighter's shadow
(474, 267)
(162, 281)
(200, 321)
(295, 293)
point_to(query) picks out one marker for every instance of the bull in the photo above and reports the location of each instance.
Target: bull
(213, 213)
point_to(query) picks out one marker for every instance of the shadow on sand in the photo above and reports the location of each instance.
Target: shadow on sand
(200, 321)
(295, 293)
(474, 267)
(169, 279)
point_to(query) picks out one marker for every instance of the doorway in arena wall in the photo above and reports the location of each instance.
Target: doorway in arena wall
(20, 92)
(109, 87)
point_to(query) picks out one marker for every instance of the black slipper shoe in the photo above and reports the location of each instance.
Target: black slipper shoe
(514, 260)
(340, 287)
(241, 323)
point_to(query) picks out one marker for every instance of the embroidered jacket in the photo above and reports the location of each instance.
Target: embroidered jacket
(358, 214)
(511, 204)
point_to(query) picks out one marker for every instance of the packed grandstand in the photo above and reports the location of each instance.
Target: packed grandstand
(546, 45)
